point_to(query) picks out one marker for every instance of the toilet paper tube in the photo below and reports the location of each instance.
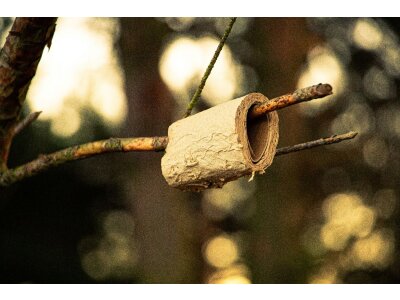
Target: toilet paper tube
(219, 145)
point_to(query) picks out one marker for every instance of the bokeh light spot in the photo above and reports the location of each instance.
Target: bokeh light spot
(235, 274)
(325, 275)
(391, 59)
(346, 216)
(118, 221)
(66, 123)
(367, 34)
(81, 65)
(378, 85)
(184, 61)
(323, 67)
(113, 254)
(374, 250)
(218, 203)
(221, 251)
(375, 152)
(179, 23)
(334, 236)
(96, 265)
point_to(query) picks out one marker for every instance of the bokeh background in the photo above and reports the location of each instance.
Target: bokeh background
(326, 215)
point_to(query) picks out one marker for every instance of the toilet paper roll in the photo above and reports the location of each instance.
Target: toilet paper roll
(219, 145)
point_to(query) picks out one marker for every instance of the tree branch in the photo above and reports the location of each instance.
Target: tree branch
(44, 162)
(19, 59)
(298, 96)
(28, 120)
(320, 142)
(199, 89)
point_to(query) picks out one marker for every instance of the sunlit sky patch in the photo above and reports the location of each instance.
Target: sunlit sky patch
(81, 70)
(323, 66)
(184, 61)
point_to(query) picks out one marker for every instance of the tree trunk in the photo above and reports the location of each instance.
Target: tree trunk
(164, 220)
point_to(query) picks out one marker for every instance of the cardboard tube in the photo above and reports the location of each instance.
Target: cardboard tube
(219, 145)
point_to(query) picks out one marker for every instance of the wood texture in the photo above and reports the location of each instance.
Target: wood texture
(19, 59)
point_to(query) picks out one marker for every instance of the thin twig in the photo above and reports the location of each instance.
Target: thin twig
(320, 142)
(300, 95)
(26, 122)
(44, 162)
(199, 89)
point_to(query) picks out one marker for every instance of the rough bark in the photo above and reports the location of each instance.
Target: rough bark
(19, 59)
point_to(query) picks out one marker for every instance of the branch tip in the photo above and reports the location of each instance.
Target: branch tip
(298, 96)
(316, 143)
(28, 120)
(324, 89)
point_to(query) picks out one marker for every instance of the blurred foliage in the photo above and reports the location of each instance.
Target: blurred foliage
(322, 215)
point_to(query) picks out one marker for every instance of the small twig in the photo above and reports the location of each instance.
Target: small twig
(26, 122)
(300, 95)
(320, 142)
(44, 162)
(221, 44)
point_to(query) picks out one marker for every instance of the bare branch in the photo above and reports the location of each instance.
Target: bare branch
(43, 162)
(28, 120)
(320, 142)
(298, 96)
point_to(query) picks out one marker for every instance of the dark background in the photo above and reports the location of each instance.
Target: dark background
(113, 219)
